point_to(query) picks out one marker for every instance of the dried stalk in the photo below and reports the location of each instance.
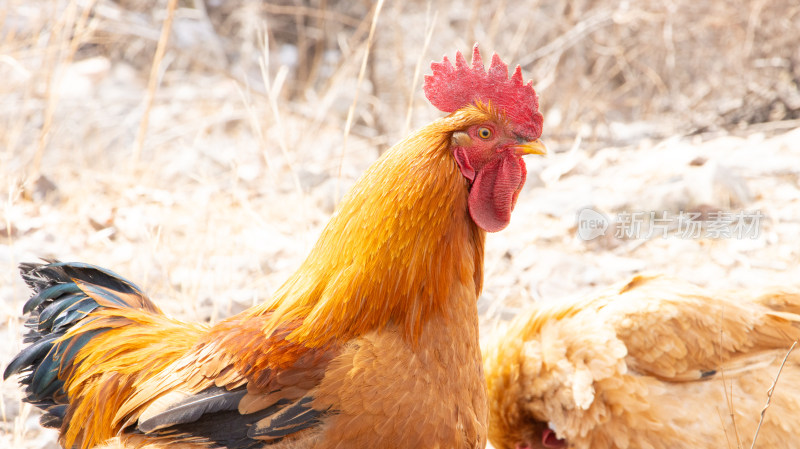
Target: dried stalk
(152, 85)
(769, 394)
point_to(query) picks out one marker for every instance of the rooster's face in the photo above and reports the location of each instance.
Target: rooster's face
(489, 155)
(481, 143)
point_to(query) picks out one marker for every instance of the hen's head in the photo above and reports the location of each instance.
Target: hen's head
(530, 434)
(502, 123)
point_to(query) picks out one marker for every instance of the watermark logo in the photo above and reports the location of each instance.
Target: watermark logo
(591, 224)
(712, 224)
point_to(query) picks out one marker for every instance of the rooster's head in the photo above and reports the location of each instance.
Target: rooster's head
(501, 124)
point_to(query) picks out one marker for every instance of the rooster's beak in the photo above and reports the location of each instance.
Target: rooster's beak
(532, 147)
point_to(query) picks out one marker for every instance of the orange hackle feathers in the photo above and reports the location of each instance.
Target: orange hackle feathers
(358, 257)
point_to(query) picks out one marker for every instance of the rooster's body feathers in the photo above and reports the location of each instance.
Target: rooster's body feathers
(307, 369)
(129, 369)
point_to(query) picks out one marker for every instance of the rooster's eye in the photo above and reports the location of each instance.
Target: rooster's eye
(485, 133)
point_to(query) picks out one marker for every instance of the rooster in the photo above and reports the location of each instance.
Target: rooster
(654, 363)
(372, 343)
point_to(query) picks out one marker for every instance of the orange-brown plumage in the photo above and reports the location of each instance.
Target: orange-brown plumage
(373, 342)
(652, 363)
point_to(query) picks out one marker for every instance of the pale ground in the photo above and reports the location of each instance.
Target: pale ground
(232, 188)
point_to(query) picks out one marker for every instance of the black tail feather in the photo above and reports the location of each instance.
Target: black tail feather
(63, 295)
(74, 313)
(28, 356)
(50, 313)
(54, 416)
(48, 293)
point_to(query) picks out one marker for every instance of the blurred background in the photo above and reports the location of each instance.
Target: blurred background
(202, 161)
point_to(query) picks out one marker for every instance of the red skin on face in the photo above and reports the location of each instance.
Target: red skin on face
(496, 174)
(549, 440)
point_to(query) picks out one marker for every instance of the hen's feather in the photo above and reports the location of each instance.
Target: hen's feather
(655, 362)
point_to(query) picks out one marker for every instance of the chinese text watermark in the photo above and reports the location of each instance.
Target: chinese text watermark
(713, 224)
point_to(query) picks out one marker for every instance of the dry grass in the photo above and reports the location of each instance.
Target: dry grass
(770, 392)
(240, 164)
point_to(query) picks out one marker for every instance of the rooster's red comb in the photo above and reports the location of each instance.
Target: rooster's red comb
(451, 88)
